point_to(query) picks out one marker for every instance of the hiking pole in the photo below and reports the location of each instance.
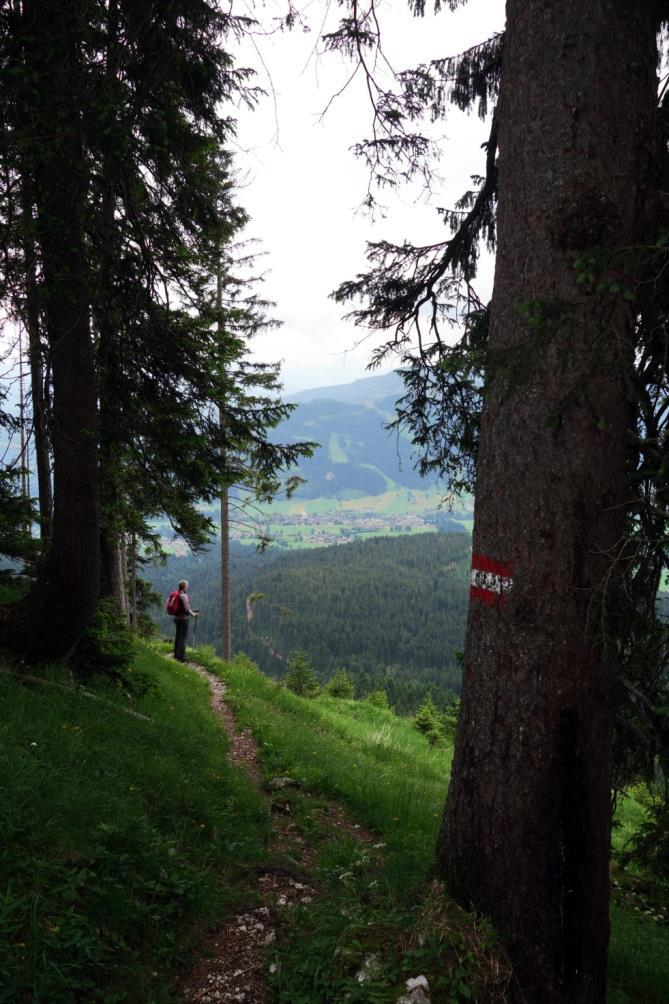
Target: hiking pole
(197, 617)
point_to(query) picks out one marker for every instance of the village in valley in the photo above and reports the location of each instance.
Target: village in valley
(301, 528)
(323, 530)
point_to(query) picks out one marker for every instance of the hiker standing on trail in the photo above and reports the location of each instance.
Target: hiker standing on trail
(178, 605)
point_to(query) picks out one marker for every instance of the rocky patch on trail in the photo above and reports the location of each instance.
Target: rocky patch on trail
(233, 971)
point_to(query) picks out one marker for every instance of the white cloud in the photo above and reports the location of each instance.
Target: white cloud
(303, 184)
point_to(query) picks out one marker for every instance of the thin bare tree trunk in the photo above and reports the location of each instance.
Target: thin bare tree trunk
(226, 619)
(119, 578)
(123, 558)
(526, 831)
(112, 581)
(133, 582)
(22, 425)
(40, 424)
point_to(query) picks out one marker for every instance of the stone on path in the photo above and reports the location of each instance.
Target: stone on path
(418, 991)
(279, 783)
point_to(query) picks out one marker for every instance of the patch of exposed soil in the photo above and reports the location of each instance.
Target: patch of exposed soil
(233, 968)
(335, 816)
(243, 749)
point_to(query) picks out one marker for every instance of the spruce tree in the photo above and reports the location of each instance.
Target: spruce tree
(378, 698)
(114, 133)
(165, 217)
(551, 405)
(300, 678)
(428, 721)
(340, 684)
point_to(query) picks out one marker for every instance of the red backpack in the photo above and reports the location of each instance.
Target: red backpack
(174, 603)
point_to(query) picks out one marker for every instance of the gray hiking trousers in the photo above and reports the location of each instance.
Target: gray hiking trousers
(180, 638)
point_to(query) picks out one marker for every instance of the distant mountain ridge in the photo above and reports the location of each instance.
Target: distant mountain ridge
(381, 385)
(358, 454)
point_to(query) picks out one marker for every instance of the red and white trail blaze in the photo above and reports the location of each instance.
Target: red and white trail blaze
(490, 580)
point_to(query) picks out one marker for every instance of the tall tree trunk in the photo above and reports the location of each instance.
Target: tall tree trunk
(51, 619)
(119, 577)
(112, 577)
(40, 424)
(226, 618)
(526, 831)
(111, 470)
(123, 559)
(25, 491)
(133, 582)
(226, 621)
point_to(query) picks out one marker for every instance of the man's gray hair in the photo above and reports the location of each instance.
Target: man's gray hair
(183, 584)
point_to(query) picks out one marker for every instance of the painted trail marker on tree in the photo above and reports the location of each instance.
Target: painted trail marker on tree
(490, 580)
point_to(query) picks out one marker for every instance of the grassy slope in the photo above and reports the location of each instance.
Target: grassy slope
(112, 831)
(639, 948)
(368, 757)
(385, 771)
(370, 900)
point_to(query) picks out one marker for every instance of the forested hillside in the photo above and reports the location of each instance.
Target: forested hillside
(391, 610)
(358, 455)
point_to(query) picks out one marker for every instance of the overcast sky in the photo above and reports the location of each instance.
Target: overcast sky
(303, 186)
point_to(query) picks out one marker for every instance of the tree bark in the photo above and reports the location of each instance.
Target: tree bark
(526, 831)
(48, 623)
(119, 579)
(112, 582)
(24, 447)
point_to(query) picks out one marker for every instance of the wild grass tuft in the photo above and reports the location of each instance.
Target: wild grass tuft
(479, 965)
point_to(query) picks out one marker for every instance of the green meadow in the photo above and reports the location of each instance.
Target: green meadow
(393, 502)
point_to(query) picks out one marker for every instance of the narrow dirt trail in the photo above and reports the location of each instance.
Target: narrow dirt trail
(233, 970)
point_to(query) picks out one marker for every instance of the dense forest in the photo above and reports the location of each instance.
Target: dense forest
(390, 610)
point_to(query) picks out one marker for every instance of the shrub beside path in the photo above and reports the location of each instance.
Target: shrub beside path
(233, 969)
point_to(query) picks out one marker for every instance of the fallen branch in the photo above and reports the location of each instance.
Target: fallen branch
(286, 870)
